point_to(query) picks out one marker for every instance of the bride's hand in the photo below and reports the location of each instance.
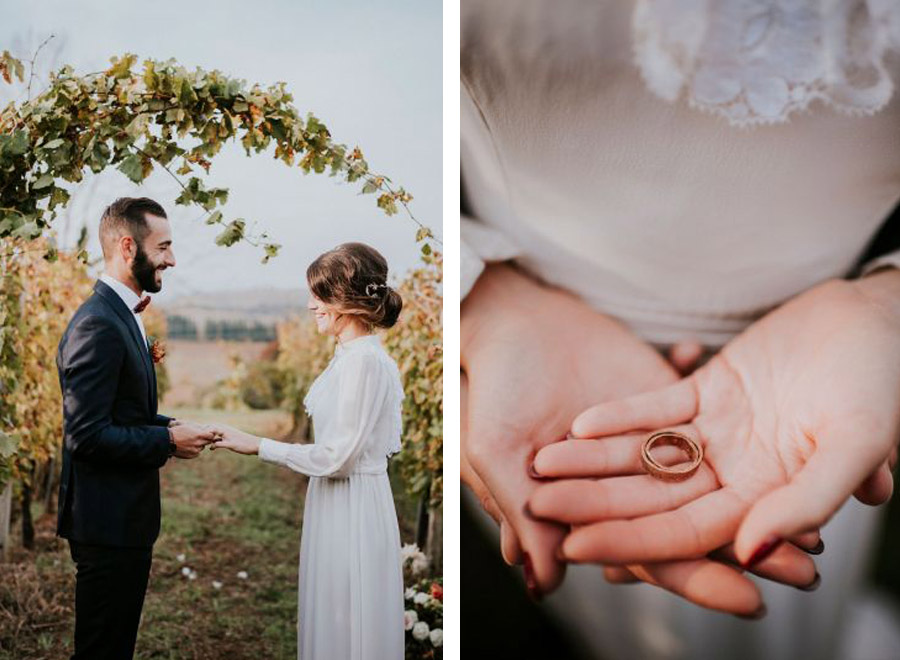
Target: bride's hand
(795, 415)
(234, 439)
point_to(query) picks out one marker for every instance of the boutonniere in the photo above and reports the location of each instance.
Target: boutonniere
(157, 350)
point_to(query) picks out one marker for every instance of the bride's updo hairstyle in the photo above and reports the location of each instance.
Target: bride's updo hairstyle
(352, 278)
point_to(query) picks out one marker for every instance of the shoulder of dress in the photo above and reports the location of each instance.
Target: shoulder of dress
(370, 357)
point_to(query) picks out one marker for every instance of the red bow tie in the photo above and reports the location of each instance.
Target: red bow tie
(141, 306)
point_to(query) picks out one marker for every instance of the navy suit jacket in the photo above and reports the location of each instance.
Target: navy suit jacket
(114, 440)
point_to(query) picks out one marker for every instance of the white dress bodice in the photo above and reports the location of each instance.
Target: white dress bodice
(661, 214)
(355, 405)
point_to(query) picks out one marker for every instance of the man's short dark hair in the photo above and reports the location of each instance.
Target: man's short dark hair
(127, 216)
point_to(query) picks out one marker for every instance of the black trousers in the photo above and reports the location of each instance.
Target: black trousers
(110, 584)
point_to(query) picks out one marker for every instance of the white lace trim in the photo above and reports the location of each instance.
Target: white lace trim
(759, 61)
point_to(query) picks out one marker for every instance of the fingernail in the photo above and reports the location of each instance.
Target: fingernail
(534, 474)
(527, 511)
(764, 550)
(818, 549)
(812, 586)
(530, 581)
(753, 616)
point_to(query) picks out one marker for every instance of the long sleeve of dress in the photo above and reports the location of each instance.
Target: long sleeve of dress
(480, 245)
(891, 259)
(362, 390)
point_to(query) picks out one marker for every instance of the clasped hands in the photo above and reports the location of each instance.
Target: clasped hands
(191, 439)
(795, 415)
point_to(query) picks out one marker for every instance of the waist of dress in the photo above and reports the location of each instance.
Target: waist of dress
(375, 467)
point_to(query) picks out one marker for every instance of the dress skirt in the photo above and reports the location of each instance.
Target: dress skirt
(351, 579)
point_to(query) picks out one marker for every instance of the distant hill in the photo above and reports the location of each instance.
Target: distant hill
(249, 314)
(255, 303)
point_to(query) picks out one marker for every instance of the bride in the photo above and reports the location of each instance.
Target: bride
(351, 583)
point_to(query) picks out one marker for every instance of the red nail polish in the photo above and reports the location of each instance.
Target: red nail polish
(765, 549)
(527, 511)
(812, 586)
(534, 474)
(753, 616)
(818, 549)
(530, 581)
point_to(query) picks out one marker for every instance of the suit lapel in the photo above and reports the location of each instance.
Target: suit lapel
(154, 402)
(127, 317)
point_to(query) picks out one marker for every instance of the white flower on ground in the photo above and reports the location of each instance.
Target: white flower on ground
(217, 584)
(180, 558)
(242, 575)
(185, 571)
(407, 551)
(410, 617)
(418, 562)
(192, 575)
(410, 592)
(420, 631)
(437, 637)
(421, 598)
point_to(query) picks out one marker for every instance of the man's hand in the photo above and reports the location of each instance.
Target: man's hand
(190, 439)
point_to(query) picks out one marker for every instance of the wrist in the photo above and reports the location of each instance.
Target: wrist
(496, 297)
(172, 446)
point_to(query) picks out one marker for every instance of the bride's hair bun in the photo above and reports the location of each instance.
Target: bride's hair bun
(393, 304)
(353, 278)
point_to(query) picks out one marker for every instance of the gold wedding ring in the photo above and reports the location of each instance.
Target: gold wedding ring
(679, 473)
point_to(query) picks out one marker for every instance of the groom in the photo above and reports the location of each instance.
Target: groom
(114, 440)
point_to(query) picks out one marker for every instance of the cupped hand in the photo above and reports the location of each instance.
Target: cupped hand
(795, 415)
(533, 357)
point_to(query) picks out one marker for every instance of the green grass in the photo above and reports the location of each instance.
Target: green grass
(226, 513)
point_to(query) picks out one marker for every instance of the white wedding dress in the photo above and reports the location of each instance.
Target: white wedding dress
(351, 580)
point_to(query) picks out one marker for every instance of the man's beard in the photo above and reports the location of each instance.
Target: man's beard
(144, 271)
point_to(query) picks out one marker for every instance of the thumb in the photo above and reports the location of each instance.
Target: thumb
(806, 502)
(878, 486)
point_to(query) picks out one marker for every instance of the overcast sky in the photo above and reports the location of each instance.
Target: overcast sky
(370, 70)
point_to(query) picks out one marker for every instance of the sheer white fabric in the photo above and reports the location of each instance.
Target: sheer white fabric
(351, 581)
(681, 226)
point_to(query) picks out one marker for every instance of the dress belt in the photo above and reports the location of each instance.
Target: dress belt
(378, 468)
